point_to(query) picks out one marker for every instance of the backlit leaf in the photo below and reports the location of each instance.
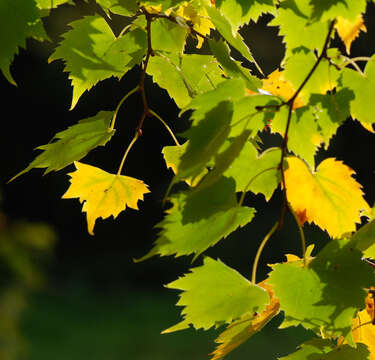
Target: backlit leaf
(92, 53)
(103, 194)
(324, 10)
(330, 196)
(245, 327)
(234, 295)
(73, 143)
(120, 7)
(349, 31)
(199, 219)
(324, 296)
(365, 239)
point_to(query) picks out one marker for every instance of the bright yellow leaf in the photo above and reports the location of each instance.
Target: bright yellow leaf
(201, 22)
(349, 31)
(329, 197)
(103, 194)
(276, 85)
(242, 329)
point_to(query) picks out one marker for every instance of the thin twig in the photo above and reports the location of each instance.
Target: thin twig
(166, 126)
(136, 136)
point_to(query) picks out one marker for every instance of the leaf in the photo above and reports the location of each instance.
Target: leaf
(256, 173)
(92, 53)
(205, 139)
(324, 296)
(240, 12)
(120, 7)
(16, 19)
(323, 349)
(365, 239)
(50, 4)
(73, 143)
(332, 199)
(103, 194)
(324, 10)
(363, 88)
(233, 38)
(233, 296)
(349, 31)
(191, 226)
(244, 328)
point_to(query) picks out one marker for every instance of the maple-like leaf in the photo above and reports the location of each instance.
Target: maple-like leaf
(103, 194)
(234, 296)
(244, 328)
(349, 30)
(330, 196)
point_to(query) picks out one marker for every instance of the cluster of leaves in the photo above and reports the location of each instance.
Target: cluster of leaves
(305, 101)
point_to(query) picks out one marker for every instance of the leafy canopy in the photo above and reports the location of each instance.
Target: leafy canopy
(194, 50)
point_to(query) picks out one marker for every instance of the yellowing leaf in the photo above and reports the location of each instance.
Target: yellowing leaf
(277, 85)
(201, 22)
(330, 197)
(242, 329)
(103, 194)
(349, 31)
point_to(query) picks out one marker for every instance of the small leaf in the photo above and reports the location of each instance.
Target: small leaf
(349, 31)
(245, 327)
(73, 143)
(214, 294)
(332, 199)
(103, 194)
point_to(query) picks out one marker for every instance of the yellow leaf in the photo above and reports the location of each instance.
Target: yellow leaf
(103, 194)
(329, 197)
(349, 31)
(363, 327)
(276, 85)
(242, 329)
(201, 22)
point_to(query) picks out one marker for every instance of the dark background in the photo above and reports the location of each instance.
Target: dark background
(85, 267)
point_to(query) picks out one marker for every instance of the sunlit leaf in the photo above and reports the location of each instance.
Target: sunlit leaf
(120, 7)
(103, 194)
(330, 196)
(73, 143)
(234, 295)
(324, 10)
(191, 226)
(103, 56)
(365, 239)
(349, 31)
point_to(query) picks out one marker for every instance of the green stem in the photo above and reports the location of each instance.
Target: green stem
(136, 136)
(131, 92)
(166, 126)
(259, 251)
(123, 31)
(249, 183)
(302, 234)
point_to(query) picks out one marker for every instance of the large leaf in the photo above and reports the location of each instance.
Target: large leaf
(120, 7)
(73, 143)
(365, 239)
(16, 19)
(214, 294)
(329, 197)
(92, 53)
(324, 296)
(324, 10)
(199, 219)
(103, 194)
(364, 330)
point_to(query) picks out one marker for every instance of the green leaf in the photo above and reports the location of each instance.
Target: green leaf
(92, 53)
(364, 239)
(120, 7)
(324, 296)
(50, 4)
(199, 219)
(294, 24)
(232, 68)
(240, 12)
(214, 294)
(324, 10)
(166, 36)
(323, 349)
(166, 4)
(299, 65)
(73, 143)
(205, 139)
(363, 88)
(186, 76)
(256, 173)
(230, 34)
(16, 20)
